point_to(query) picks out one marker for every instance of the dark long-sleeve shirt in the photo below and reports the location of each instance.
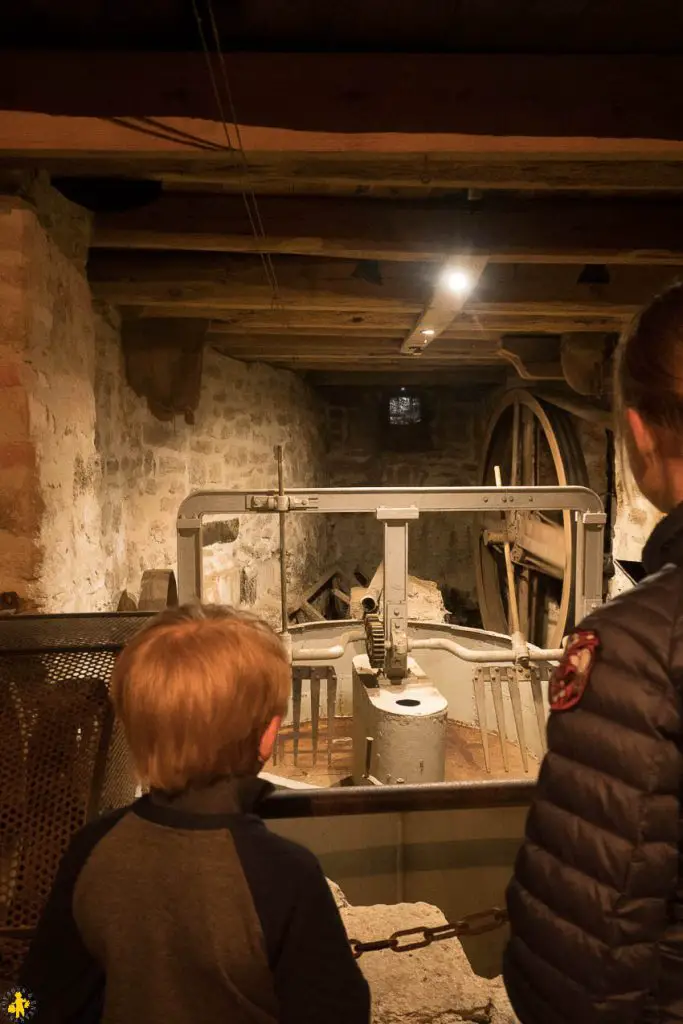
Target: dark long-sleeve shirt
(189, 910)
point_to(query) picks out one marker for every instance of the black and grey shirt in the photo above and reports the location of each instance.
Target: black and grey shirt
(188, 910)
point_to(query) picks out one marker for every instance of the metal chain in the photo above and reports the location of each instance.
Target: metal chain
(399, 942)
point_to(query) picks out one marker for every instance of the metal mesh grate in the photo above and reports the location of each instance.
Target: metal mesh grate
(62, 760)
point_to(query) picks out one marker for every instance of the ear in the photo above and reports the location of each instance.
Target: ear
(642, 435)
(269, 737)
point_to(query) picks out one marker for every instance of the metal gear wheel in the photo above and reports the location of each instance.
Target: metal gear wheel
(374, 638)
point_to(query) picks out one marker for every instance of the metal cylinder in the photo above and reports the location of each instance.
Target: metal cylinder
(407, 724)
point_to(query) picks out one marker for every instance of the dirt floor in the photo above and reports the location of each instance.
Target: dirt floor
(464, 755)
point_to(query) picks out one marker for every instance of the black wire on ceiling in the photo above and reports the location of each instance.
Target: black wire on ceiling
(238, 151)
(162, 131)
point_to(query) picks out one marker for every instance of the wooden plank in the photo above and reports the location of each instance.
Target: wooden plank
(341, 323)
(207, 283)
(541, 230)
(446, 302)
(210, 280)
(467, 384)
(603, 96)
(340, 165)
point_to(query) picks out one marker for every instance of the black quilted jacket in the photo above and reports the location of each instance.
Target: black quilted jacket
(596, 902)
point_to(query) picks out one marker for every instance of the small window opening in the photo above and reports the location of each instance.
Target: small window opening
(404, 410)
(406, 416)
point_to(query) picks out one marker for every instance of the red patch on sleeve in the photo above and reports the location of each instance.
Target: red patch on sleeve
(570, 678)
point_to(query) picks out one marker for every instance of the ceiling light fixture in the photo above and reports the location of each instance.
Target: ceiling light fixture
(458, 281)
(428, 332)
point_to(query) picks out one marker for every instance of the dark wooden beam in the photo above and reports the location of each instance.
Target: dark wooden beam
(208, 284)
(473, 382)
(341, 323)
(613, 96)
(543, 231)
(207, 281)
(342, 165)
(353, 348)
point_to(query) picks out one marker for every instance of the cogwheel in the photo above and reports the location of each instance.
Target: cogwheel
(374, 638)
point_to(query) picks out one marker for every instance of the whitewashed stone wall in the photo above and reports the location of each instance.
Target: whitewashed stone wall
(245, 411)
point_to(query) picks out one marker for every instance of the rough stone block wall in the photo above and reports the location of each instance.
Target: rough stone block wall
(440, 545)
(245, 411)
(90, 481)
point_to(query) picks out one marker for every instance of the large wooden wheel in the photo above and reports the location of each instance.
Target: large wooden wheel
(533, 444)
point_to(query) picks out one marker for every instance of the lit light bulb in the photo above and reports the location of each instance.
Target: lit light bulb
(458, 281)
(428, 333)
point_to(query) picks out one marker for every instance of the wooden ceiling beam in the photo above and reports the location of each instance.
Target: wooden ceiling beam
(349, 165)
(603, 96)
(543, 231)
(208, 284)
(350, 348)
(336, 323)
(473, 382)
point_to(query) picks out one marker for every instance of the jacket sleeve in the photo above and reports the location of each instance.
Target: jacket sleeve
(590, 901)
(65, 981)
(316, 976)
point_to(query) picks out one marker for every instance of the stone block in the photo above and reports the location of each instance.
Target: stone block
(433, 985)
(170, 464)
(201, 446)
(224, 531)
(197, 474)
(161, 435)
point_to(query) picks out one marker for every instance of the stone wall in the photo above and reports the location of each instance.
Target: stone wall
(245, 411)
(51, 548)
(90, 481)
(440, 545)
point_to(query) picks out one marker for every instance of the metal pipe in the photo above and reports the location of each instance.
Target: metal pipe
(283, 541)
(480, 657)
(496, 655)
(306, 654)
(435, 796)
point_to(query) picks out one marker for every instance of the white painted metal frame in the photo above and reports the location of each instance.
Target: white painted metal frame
(399, 505)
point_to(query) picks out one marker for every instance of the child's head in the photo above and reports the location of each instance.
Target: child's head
(200, 692)
(650, 396)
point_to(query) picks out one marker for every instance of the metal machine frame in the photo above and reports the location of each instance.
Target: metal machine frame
(397, 507)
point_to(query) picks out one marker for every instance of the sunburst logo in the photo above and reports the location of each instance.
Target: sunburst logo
(17, 1005)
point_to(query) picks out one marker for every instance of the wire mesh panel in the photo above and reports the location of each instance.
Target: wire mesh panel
(62, 759)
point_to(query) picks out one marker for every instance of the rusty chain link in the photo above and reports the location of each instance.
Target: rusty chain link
(471, 924)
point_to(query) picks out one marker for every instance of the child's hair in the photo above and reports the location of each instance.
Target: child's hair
(195, 691)
(649, 368)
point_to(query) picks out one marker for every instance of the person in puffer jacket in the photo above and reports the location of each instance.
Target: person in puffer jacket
(596, 901)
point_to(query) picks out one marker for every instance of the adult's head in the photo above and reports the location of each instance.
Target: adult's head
(200, 692)
(650, 396)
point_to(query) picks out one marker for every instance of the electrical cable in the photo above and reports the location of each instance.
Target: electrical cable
(248, 194)
(158, 132)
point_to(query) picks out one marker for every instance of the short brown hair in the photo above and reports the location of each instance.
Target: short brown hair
(650, 364)
(195, 691)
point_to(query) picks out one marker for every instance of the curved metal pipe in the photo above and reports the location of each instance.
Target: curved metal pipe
(307, 654)
(481, 657)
